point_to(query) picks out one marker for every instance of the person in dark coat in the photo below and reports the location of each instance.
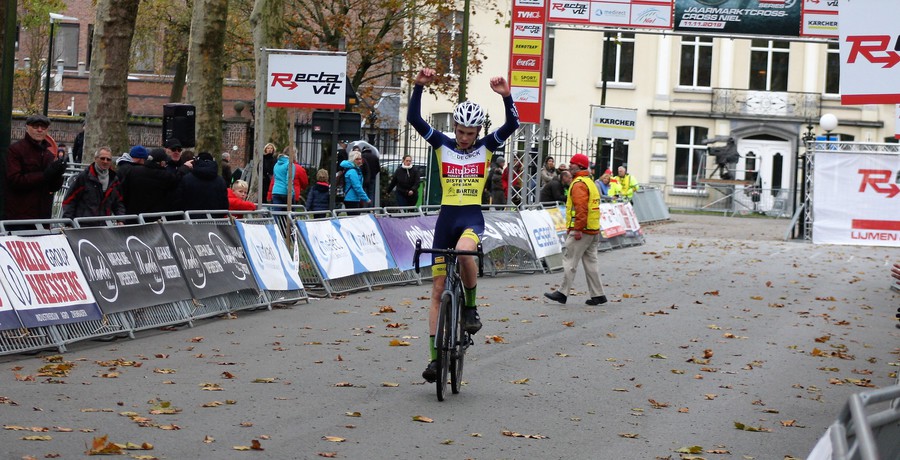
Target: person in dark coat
(202, 188)
(371, 169)
(317, 198)
(269, 160)
(498, 193)
(136, 156)
(226, 169)
(147, 188)
(95, 191)
(555, 190)
(33, 174)
(78, 146)
(406, 180)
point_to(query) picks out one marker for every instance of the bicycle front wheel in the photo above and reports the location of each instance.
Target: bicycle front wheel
(442, 343)
(459, 349)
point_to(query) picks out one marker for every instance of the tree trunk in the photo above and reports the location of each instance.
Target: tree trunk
(206, 67)
(267, 20)
(107, 119)
(178, 79)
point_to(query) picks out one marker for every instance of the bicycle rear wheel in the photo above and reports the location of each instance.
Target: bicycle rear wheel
(442, 343)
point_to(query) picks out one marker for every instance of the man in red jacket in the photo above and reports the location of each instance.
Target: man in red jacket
(33, 173)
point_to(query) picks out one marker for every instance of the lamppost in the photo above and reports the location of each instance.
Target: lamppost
(53, 18)
(828, 123)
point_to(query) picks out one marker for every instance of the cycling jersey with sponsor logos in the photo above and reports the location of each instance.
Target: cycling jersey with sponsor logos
(463, 173)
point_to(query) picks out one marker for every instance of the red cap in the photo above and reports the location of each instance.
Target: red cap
(580, 159)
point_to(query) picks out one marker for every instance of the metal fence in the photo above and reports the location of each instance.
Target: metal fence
(731, 199)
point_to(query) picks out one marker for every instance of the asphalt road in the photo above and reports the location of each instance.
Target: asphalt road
(713, 321)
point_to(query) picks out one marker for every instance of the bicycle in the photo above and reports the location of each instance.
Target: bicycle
(451, 340)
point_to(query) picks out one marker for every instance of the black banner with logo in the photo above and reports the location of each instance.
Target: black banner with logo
(211, 258)
(128, 267)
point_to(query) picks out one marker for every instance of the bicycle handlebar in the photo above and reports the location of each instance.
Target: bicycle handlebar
(450, 252)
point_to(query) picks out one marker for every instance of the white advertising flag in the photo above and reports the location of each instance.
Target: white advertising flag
(316, 81)
(856, 199)
(869, 32)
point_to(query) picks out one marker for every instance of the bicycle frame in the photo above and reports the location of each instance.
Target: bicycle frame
(451, 341)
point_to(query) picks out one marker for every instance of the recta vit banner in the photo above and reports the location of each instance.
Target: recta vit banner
(541, 231)
(856, 199)
(211, 258)
(43, 282)
(269, 258)
(751, 17)
(128, 267)
(317, 81)
(401, 234)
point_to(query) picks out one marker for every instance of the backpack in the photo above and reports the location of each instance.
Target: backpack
(340, 186)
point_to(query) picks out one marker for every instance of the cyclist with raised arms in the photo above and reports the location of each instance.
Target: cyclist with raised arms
(464, 163)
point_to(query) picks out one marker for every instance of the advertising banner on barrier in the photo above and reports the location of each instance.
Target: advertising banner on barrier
(211, 258)
(401, 234)
(366, 244)
(43, 281)
(128, 267)
(504, 228)
(328, 248)
(753, 17)
(542, 232)
(269, 258)
(8, 317)
(856, 198)
(611, 222)
(626, 211)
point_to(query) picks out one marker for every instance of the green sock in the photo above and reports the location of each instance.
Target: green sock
(470, 296)
(432, 348)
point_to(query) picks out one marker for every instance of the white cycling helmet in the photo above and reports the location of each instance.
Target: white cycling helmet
(469, 114)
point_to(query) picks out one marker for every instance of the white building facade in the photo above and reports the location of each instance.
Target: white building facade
(765, 93)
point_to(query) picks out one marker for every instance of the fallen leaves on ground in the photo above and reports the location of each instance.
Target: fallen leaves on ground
(741, 426)
(422, 418)
(513, 434)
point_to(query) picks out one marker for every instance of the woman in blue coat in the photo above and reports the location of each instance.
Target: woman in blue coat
(354, 194)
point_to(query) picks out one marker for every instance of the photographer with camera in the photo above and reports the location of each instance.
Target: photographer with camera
(33, 174)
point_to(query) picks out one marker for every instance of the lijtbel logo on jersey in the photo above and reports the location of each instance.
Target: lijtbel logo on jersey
(465, 170)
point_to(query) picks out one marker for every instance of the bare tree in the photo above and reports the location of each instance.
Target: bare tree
(107, 122)
(34, 19)
(206, 69)
(269, 31)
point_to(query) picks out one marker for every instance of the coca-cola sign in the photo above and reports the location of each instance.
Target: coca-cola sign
(520, 62)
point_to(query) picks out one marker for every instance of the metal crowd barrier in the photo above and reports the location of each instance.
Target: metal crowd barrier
(650, 205)
(863, 431)
(125, 324)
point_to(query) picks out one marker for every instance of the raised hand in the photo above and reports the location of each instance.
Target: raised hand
(425, 76)
(500, 86)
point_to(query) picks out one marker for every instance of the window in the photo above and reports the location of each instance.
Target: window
(696, 61)
(90, 46)
(690, 154)
(551, 47)
(618, 65)
(142, 58)
(769, 61)
(65, 44)
(397, 64)
(833, 69)
(442, 121)
(449, 43)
